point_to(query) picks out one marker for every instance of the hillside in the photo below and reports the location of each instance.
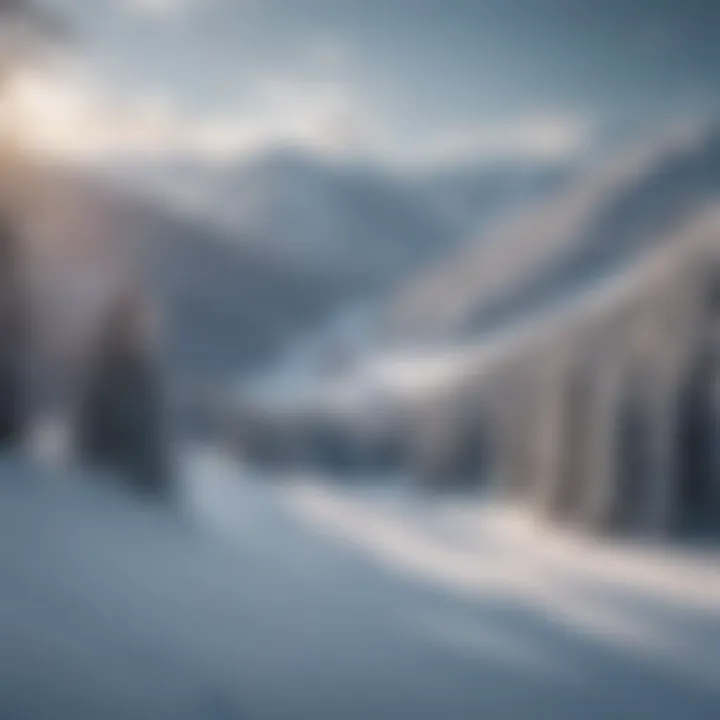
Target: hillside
(301, 600)
(578, 236)
(254, 257)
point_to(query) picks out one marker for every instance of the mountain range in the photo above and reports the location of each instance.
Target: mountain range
(251, 257)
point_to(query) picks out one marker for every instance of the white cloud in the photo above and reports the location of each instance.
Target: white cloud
(542, 136)
(71, 115)
(327, 115)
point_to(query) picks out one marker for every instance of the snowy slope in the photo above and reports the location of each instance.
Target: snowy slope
(578, 236)
(301, 601)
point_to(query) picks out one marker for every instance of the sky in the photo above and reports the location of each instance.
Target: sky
(402, 80)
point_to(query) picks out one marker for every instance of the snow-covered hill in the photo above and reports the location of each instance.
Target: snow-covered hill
(302, 600)
(579, 235)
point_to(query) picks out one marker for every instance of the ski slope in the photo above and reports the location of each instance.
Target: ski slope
(300, 599)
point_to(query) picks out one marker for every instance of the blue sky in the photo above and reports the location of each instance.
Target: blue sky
(403, 78)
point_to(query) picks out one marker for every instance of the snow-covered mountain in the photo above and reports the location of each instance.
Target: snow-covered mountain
(228, 307)
(579, 235)
(471, 196)
(343, 219)
(255, 256)
(339, 216)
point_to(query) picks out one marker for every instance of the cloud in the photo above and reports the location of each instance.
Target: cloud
(540, 136)
(71, 115)
(325, 114)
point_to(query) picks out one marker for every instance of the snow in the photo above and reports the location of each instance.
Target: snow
(303, 373)
(419, 373)
(302, 599)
